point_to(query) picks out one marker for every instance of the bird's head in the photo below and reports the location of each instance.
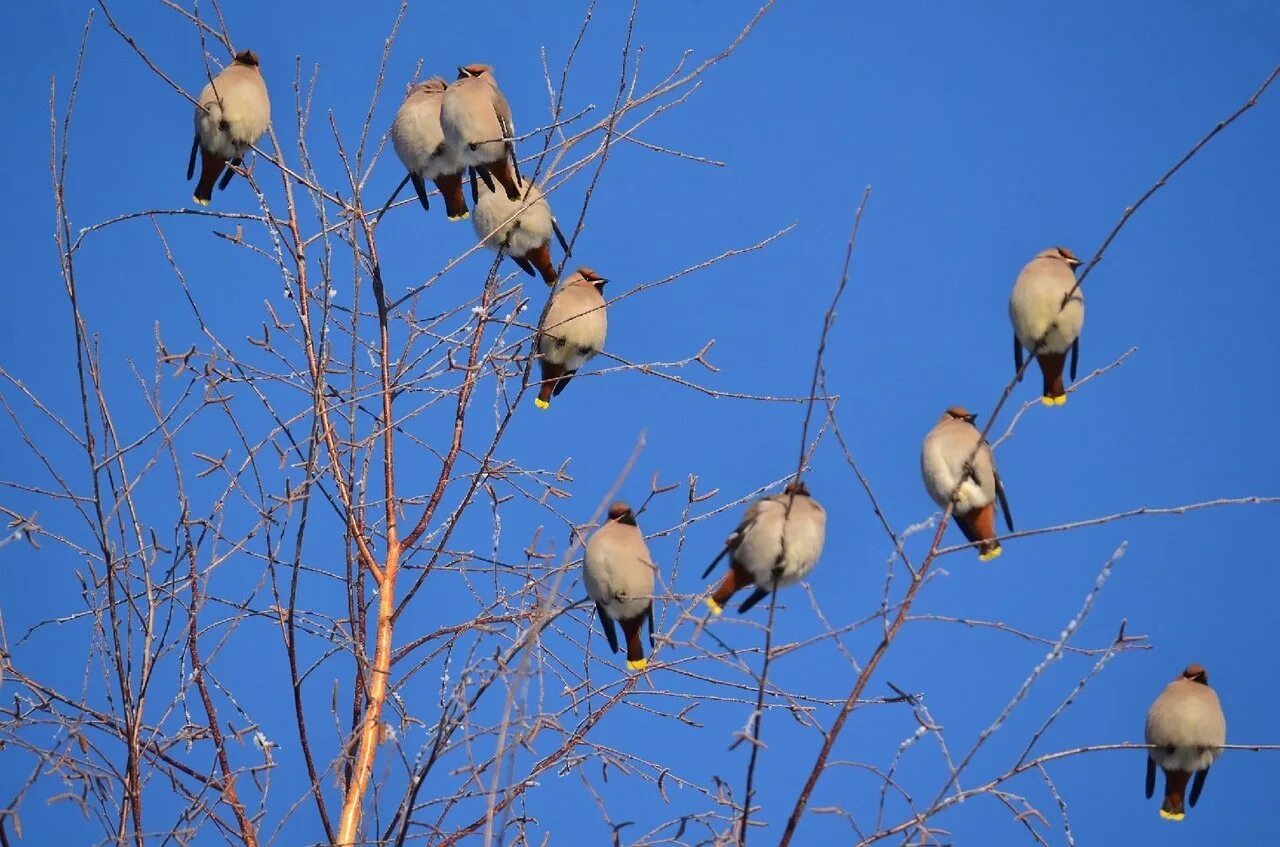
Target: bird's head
(1196, 673)
(588, 276)
(622, 513)
(434, 85)
(1062, 254)
(796, 486)
(959, 413)
(248, 58)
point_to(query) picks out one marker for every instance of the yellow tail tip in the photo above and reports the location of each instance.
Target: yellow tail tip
(990, 554)
(1046, 400)
(637, 665)
(199, 201)
(540, 403)
(716, 608)
(1172, 816)
(1060, 400)
(461, 217)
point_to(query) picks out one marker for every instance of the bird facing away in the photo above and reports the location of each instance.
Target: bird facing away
(419, 142)
(1188, 729)
(572, 331)
(478, 127)
(619, 574)
(521, 229)
(945, 463)
(777, 543)
(233, 114)
(1039, 308)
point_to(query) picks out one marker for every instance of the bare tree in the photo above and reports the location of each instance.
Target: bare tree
(264, 509)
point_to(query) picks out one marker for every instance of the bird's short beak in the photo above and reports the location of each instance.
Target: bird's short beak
(463, 71)
(972, 418)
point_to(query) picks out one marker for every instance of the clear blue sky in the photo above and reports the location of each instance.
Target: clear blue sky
(989, 131)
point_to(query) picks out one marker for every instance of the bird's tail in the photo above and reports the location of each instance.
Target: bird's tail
(1051, 365)
(502, 171)
(980, 525)
(211, 166)
(540, 258)
(455, 202)
(736, 578)
(1175, 787)
(551, 373)
(635, 648)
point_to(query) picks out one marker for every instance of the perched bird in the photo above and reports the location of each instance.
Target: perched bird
(419, 142)
(521, 229)
(572, 331)
(945, 464)
(1039, 308)
(619, 576)
(777, 543)
(232, 114)
(1188, 729)
(477, 126)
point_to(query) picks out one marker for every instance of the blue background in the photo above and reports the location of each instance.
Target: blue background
(988, 132)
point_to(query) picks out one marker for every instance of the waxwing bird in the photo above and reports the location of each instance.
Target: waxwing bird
(1045, 304)
(477, 126)
(419, 142)
(521, 229)
(233, 114)
(620, 576)
(777, 544)
(1188, 729)
(973, 483)
(572, 331)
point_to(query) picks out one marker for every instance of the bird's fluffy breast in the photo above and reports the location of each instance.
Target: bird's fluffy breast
(1190, 721)
(417, 135)
(1035, 305)
(760, 547)
(580, 323)
(237, 115)
(528, 230)
(616, 562)
(467, 117)
(942, 462)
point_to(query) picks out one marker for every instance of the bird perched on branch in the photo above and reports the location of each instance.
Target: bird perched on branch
(232, 114)
(1188, 729)
(419, 142)
(477, 124)
(521, 229)
(619, 575)
(777, 544)
(1047, 307)
(572, 331)
(972, 484)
